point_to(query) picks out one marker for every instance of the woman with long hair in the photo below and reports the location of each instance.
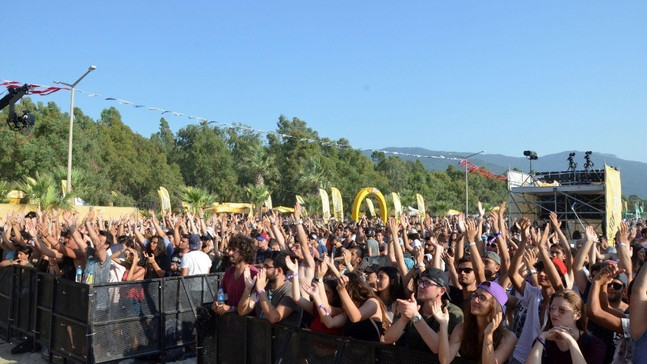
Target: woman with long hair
(364, 316)
(158, 262)
(480, 338)
(389, 287)
(565, 338)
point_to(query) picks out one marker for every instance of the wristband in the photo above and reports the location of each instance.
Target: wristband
(532, 271)
(320, 280)
(473, 243)
(291, 276)
(497, 235)
(326, 313)
(541, 340)
(258, 295)
(620, 244)
(420, 265)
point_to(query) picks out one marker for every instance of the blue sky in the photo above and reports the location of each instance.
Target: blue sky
(499, 76)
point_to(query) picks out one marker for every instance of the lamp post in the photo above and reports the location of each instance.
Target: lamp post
(466, 185)
(69, 146)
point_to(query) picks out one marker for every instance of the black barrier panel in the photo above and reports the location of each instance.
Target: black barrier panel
(311, 347)
(69, 339)
(124, 339)
(71, 300)
(179, 329)
(6, 284)
(45, 290)
(280, 339)
(232, 337)
(25, 299)
(259, 340)
(399, 354)
(358, 352)
(175, 298)
(125, 301)
(207, 352)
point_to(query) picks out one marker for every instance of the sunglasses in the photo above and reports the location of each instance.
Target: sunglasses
(560, 310)
(426, 284)
(465, 270)
(617, 286)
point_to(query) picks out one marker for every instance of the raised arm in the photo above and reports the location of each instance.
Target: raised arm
(517, 280)
(578, 263)
(622, 247)
(638, 305)
(475, 256)
(594, 309)
(549, 267)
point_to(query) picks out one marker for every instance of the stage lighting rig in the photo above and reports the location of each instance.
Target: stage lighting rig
(532, 156)
(24, 123)
(572, 166)
(589, 163)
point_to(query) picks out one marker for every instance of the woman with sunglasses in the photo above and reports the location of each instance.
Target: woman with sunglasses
(565, 338)
(480, 338)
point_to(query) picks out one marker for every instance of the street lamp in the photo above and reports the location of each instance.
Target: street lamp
(69, 146)
(466, 185)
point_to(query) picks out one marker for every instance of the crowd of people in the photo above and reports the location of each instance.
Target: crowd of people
(485, 289)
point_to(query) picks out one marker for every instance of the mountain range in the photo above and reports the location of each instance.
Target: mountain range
(632, 173)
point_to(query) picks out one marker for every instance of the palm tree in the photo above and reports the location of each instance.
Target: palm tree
(259, 164)
(313, 177)
(257, 195)
(4, 191)
(313, 204)
(42, 191)
(197, 198)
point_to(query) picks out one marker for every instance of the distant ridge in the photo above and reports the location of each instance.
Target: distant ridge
(632, 174)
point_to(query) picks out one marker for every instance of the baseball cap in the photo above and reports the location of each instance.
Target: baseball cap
(495, 290)
(194, 242)
(494, 256)
(436, 275)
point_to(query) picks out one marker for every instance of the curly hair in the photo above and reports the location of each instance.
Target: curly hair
(244, 245)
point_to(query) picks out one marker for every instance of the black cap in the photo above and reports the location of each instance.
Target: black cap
(437, 276)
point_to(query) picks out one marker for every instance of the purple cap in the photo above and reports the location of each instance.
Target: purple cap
(495, 290)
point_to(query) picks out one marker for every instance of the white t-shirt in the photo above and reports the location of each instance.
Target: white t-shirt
(532, 326)
(197, 262)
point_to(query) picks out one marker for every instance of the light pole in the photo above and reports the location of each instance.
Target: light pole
(69, 146)
(466, 185)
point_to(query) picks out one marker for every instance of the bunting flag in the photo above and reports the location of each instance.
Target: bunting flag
(397, 204)
(475, 169)
(421, 206)
(337, 204)
(325, 205)
(371, 208)
(46, 90)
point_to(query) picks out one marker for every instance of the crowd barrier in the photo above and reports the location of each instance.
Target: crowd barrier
(248, 340)
(103, 322)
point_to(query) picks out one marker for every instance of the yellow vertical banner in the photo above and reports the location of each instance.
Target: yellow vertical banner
(268, 202)
(371, 208)
(63, 187)
(337, 204)
(325, 204)
(301, 202)
(397, 204)
(165, 200)
(421, 206)
(613, 201)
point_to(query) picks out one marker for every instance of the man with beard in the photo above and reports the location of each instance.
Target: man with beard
(608, 317)
(241, 255)
(468, 272)
(273, 297)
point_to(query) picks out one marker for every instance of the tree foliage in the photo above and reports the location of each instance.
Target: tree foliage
(114, 165)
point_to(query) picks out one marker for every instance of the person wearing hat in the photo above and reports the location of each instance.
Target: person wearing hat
(195, 261)
(416, 327)
(491, 265)
(481, 337)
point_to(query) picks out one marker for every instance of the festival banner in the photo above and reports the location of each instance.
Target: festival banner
(165, 200)
(325, 205)
(397, 204)
(268, 202)
(421, 206)
(371, 208)
(613, 201)
(337, 204)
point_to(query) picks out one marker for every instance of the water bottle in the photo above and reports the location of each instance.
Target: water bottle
(221, 296)
(79, 274)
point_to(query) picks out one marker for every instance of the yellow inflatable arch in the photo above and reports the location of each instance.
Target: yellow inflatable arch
(361, 195)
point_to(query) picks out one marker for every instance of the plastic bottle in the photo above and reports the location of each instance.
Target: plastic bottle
(221, 296)
(79, 274)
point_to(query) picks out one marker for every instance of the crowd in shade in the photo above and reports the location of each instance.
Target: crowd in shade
(486, 289)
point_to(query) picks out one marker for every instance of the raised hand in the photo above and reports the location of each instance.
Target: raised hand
(342, 282)
(310, 289)
(261, 279)
(440, 314)
(249, 280)
(292, 265)
(461, 223)
(471, 230)
(481, 209)
(492, 326)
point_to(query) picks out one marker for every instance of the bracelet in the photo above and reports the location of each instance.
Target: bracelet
(620, 244)
(326, 313)
(473, 243)
(291, 276)
(532, 271)
(320, 280)
(541, 340)
(497, 235)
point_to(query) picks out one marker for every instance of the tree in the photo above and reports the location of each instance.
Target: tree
(197, 199)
